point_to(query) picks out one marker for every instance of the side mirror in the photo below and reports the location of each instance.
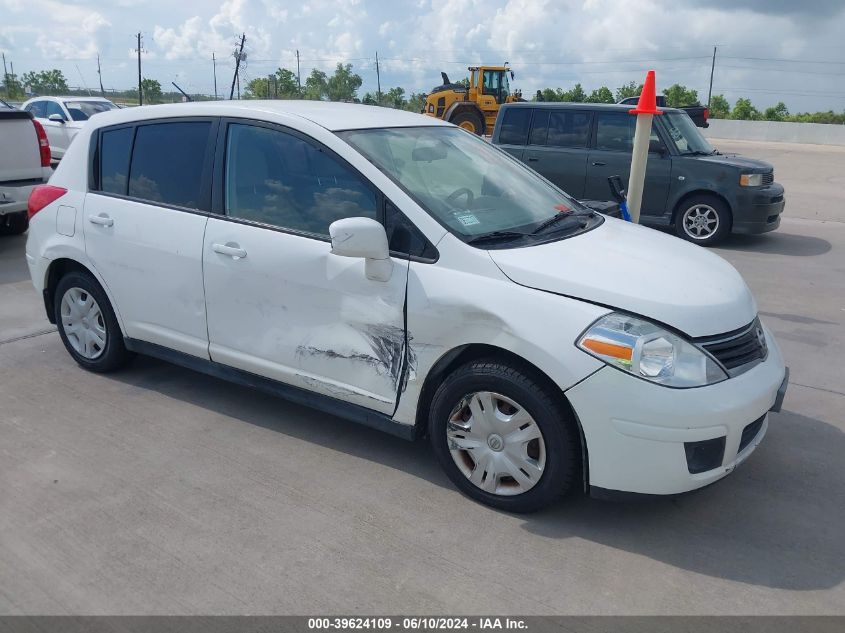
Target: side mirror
(363, 237)
(58, 118)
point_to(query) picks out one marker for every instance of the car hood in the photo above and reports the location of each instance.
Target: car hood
(640, 270)
(741, 162)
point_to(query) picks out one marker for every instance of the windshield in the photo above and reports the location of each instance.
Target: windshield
(84, 110)
(470, 186)
(684, 134)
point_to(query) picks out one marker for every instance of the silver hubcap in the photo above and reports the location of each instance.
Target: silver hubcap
(701, 221)
(83, 323)
(496, 444)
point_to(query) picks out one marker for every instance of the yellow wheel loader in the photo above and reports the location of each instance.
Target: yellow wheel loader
(473, 107)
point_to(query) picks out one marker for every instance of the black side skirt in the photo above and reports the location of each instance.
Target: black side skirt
(327, 404)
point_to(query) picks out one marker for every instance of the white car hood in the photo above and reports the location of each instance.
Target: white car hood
(639, 270)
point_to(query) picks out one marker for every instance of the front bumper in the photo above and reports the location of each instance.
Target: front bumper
(759, 210)
(639, 434)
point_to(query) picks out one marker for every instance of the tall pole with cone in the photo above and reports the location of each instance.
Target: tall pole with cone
(646, 110)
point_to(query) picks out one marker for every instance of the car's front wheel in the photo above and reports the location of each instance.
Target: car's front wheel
(503, 437)
(703, 220)
(87, 324)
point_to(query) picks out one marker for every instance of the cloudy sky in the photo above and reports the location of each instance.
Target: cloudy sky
(768, 50)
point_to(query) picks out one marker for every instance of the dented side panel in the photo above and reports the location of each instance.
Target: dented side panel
(292, 311)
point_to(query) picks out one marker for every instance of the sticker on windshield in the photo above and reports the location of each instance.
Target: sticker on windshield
(468, 219)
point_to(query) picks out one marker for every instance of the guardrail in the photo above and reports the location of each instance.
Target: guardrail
(814, 133)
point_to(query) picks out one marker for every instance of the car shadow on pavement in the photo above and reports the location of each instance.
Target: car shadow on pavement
(777, 243)
(775, 522)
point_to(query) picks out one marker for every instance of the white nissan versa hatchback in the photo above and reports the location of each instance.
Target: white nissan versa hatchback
(405, 274)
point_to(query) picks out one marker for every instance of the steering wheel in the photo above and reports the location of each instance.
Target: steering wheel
(457, 193)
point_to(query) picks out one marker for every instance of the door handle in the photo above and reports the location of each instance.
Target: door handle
(598, 163)
(533, 159)
(231, 249)
(102, 220)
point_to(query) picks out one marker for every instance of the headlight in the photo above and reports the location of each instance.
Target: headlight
(649, 351)
(751, 180)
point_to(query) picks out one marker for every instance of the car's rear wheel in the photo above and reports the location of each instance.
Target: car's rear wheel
(470, 121)
(502, 437)
(87, 324)
(14, 224)
(703, 220)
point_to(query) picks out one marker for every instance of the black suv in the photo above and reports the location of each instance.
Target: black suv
(689, 185)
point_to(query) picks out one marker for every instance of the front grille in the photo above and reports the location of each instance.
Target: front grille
(737, 349)
(768, 178)
(750, 432)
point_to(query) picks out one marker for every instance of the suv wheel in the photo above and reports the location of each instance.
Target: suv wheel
(14, 224)
(87, 324)
(502, 438)
(704, 220)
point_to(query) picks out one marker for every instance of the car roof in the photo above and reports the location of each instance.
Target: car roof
(67, 98)
(620, 107)
(333, 116)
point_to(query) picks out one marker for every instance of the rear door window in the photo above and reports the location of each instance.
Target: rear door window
(115, 146)
(279, 179)
(167, 162)
(515, 126)
(568, 128)
(539, 128)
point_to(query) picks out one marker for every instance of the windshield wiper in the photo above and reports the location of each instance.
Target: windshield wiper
(559, 218)
(496, 235)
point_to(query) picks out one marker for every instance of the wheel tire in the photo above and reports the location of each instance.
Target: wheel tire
(108, 357)
(696, 231)
(470, 121)
(559, 435)
(14, 224)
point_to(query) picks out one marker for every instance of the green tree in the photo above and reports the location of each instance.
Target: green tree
(46, 82)
(152, 90)
(720, 108)
(12, 88)
(316, 85)
(576, 95)
(630, 89)
(678, 96)
(778, 112)
(394, 98)
(344, 84)
(415, 102)
(601, 95)
(744, 111)
(286, 85)
(259, 88)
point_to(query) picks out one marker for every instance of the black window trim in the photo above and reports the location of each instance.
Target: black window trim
(95, 167)
(218, 184)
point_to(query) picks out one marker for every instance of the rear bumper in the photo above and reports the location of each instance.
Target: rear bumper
(759, 211)
(645, 438)
(14, 196)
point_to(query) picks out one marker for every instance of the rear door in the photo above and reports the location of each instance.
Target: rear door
(613, 143)
(144, 221)
(558, 147)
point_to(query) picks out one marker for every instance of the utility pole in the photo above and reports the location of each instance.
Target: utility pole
(214, 65)
(712, 68)
(298, 82)
(235, 78)
(378, 80)
(140, 93)
(100, 75)
(5, 76)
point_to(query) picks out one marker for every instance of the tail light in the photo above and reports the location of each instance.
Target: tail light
(706, 113)
(41, 196)
(43, 143)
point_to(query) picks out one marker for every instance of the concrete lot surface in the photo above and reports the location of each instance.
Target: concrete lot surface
(158, 490)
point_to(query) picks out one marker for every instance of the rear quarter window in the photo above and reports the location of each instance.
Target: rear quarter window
(515, 126)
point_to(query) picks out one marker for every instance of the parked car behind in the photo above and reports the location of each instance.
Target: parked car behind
(703, 194)
(698, 113)
(400, 272)
(24, 163)
(63, 117)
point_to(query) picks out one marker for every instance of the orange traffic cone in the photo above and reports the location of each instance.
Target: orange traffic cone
(648, 97)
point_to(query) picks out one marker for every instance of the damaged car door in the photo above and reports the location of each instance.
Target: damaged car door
(279, 303)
